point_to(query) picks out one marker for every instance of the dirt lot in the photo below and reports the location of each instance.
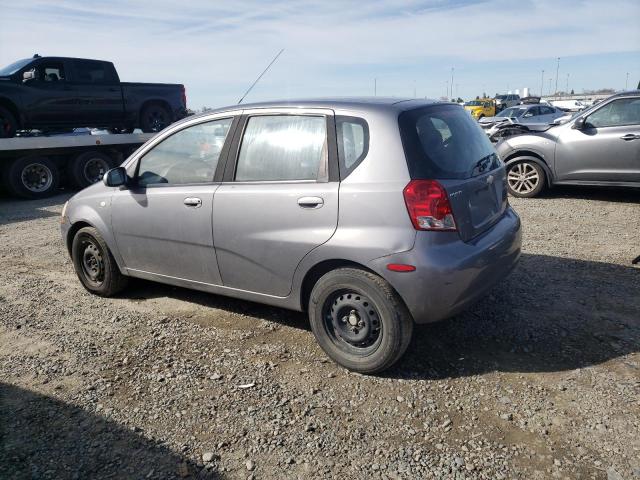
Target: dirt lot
(540, 380)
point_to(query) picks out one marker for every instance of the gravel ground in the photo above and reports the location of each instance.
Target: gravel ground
(539, 380)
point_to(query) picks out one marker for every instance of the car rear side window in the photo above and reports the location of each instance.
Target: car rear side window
(89, 71)
(353, 142)
(188, 156)
(283, 148)
(443, 141)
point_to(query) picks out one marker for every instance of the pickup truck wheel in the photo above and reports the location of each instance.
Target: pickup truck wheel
(154, 118)
(8, 124)
(94, 264)
(32, 177)
(359, 320)
(89, 168)
(525, 179)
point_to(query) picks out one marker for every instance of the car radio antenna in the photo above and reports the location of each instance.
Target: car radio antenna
(260, 76)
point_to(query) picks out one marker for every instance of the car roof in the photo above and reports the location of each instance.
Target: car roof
(347, 103)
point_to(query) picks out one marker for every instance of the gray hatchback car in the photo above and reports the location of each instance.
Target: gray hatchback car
(369, 214)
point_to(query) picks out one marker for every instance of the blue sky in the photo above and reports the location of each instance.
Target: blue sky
(337, 48)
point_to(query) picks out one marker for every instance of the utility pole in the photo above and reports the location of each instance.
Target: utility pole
(375, 87)
(626, 82)
(457, 85)
(542, 85)
(451, 82)
(567, 84)
(414, 89)
(447, 94)
(557, 70)
(550, 86)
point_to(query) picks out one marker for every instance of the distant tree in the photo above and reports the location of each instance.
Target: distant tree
(572, 92)
(459, 100)
(484, 94)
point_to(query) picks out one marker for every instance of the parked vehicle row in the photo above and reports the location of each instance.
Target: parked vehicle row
(598, 146)
(244, 202)
(62, 92)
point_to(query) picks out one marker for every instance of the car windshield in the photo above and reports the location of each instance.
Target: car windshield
(512, 112)
(500, 97)
(473, 103)
(14, 67)
(442, 141)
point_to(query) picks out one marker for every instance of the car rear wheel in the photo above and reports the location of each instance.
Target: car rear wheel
(8, 124)
(525, 179)
(154, 118)
(94, 264)
(89, 168)
(359, 320)
(32, 177)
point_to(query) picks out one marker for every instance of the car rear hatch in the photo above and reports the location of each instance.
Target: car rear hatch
(443, 143)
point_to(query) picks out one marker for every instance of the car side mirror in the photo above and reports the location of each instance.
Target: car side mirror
(116, 177)
(29, 75)
(579, 124)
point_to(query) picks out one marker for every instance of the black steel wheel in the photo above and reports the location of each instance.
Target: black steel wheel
(94, 264)
(359, 320)
(154, 118)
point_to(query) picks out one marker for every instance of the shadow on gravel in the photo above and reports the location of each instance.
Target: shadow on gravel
(603, 194)
(14, 210)
(41, 437)
(551, 314)
(143, 290)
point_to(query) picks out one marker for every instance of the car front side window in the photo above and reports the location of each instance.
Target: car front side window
(283, 148)
(188, 156)
(624, 111)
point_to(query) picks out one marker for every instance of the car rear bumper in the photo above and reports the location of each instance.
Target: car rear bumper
(451, 274)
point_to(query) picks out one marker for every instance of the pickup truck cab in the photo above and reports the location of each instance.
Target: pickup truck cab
(60, 92)
(483, 107)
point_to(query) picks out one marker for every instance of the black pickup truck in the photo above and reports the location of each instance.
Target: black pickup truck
(48, 93)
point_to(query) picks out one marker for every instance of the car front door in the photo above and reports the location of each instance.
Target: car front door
(98, 94)
(49, 100)
(606, 148)
(162, 221)
(279, 200)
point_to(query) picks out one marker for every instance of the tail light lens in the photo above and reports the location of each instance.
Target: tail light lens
(428, 206)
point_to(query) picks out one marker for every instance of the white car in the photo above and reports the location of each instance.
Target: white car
(569, 105)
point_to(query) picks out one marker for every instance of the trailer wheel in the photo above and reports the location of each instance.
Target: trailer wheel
(32, 177)
(89, 168)
(8, 124)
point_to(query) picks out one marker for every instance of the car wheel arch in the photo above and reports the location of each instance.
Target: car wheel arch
(530, 157)
(13, 109)
(79, 224)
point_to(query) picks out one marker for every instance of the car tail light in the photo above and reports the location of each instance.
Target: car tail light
(428, 206)
(184, 97)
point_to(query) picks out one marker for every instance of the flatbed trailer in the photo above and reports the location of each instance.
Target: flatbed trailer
(35, 167)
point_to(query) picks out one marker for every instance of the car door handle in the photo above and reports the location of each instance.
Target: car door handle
(193, 202)
(630, 136)
(310, 202)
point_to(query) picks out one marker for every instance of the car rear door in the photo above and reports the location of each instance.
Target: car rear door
(606, 149)
(162, 222)
(279, 200)
(96, 87)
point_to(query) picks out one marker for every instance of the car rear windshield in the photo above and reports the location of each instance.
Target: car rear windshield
(443, 142)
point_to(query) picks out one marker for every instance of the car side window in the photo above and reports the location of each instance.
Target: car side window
(50, 72)
(353, 142)
(283, 147)
(188, 156)
(624, 111)
(87, 71)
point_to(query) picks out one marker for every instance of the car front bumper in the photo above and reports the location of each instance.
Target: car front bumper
(451, 274)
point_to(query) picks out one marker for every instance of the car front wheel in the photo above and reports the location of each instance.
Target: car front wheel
(359, 320)
(525, 179)
(94, 264)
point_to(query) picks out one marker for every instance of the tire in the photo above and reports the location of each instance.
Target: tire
(348, 298)
(94, 264)
(154, 117)
(8, 124)
(89, 168)
(32, 177)
(525, 179)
